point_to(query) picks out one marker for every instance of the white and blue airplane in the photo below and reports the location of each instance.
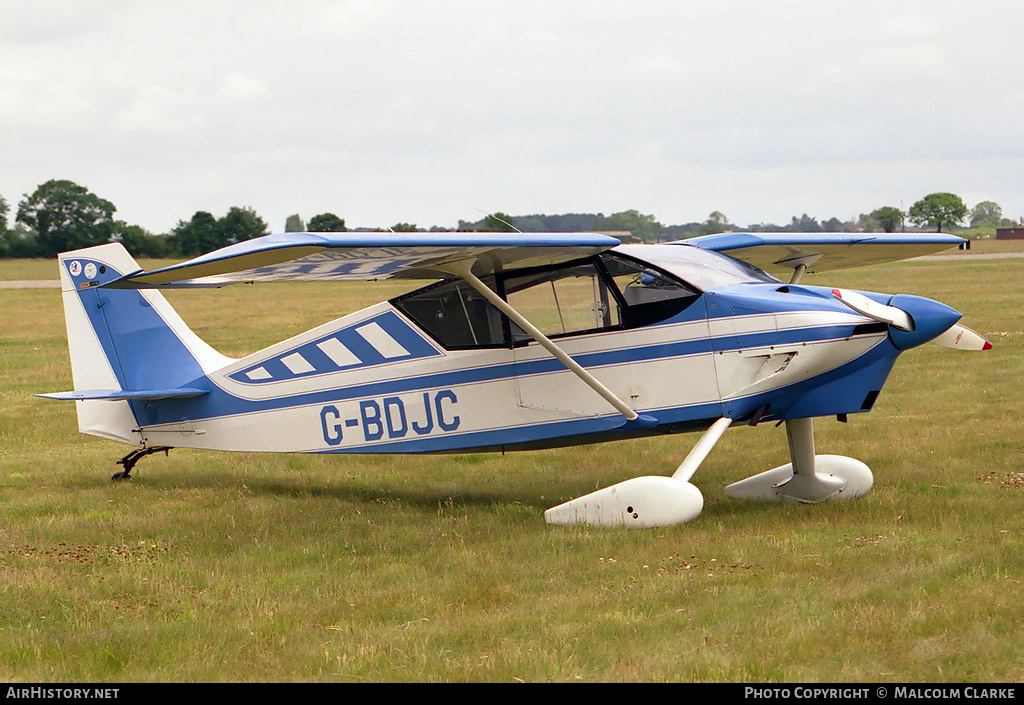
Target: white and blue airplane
(520, 341)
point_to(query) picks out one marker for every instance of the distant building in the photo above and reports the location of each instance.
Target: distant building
(1010, 233)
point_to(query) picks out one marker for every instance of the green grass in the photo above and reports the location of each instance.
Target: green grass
(245, 567)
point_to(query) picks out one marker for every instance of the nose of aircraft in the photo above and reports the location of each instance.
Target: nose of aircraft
(914, 320)
(930, 319)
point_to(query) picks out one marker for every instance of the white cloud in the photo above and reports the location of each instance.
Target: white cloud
(54, 20)
(350, 18)
(242, 87)
(907, 27)
(159, 109)
(661, 65)
(906, 64)
(395, 110)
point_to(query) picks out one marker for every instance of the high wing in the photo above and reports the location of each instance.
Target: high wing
(361, 256)
(789, 254)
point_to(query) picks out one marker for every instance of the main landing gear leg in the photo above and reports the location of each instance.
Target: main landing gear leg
(809, 478)
(132, 458)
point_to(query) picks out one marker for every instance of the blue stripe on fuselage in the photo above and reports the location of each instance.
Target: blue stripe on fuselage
(220, 403)
(575, 431)
(151, 355)
(352, 341)
(838, 391)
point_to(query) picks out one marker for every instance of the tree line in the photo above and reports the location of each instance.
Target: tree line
(936, 210)
(61, 215)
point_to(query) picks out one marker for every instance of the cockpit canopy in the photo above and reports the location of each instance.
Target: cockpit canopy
(703, 269)
(614, 290)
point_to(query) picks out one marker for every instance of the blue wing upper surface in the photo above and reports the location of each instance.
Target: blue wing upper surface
(368, 256)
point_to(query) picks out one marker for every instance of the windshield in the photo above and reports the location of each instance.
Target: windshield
(704, 269)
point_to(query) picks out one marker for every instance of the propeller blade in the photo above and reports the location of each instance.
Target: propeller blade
(961, 337)
(872, 309)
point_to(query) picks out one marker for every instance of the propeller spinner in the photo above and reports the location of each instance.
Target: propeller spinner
(956, 336)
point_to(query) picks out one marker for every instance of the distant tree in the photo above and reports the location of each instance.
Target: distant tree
(866, 223)
(565, 223)
(680, 232)
(19, 241)
(294, 224)
(326, 223)
(888, 217)
(140, 242)
(66, 216)
(716, 223)
(403, 228)
(805, 224)
(498, 223)
(645, 227)
(938, 209)
(240, 224)
(4, 210)
(986, 214)
(832, 225)
(574, 222)
(767, 228)
(197, 236)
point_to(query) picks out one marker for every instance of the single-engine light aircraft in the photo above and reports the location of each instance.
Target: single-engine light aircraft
(520, 341)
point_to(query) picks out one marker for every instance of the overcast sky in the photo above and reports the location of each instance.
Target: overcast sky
(430, 111)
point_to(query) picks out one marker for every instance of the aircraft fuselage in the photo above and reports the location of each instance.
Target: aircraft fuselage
(683, 336)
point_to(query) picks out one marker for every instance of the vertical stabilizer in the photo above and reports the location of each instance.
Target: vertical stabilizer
(124, 340)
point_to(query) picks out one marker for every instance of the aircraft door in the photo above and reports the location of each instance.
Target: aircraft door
(576, 307)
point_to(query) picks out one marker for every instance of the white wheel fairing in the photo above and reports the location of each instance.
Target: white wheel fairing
(835, 477)
(642, 502)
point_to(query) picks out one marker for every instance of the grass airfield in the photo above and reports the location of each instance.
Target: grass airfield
(215, 567)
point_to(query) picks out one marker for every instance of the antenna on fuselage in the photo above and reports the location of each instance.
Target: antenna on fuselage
(500, 220)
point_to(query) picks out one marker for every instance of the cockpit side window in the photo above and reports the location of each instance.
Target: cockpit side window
(643, 285)
(455, 314)
(650, 295)
(606, 292)
(567, 300)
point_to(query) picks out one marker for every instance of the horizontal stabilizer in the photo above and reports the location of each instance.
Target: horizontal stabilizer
(122, 395)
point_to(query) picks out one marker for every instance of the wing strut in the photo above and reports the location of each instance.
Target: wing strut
(463, 269)
(798, 273)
